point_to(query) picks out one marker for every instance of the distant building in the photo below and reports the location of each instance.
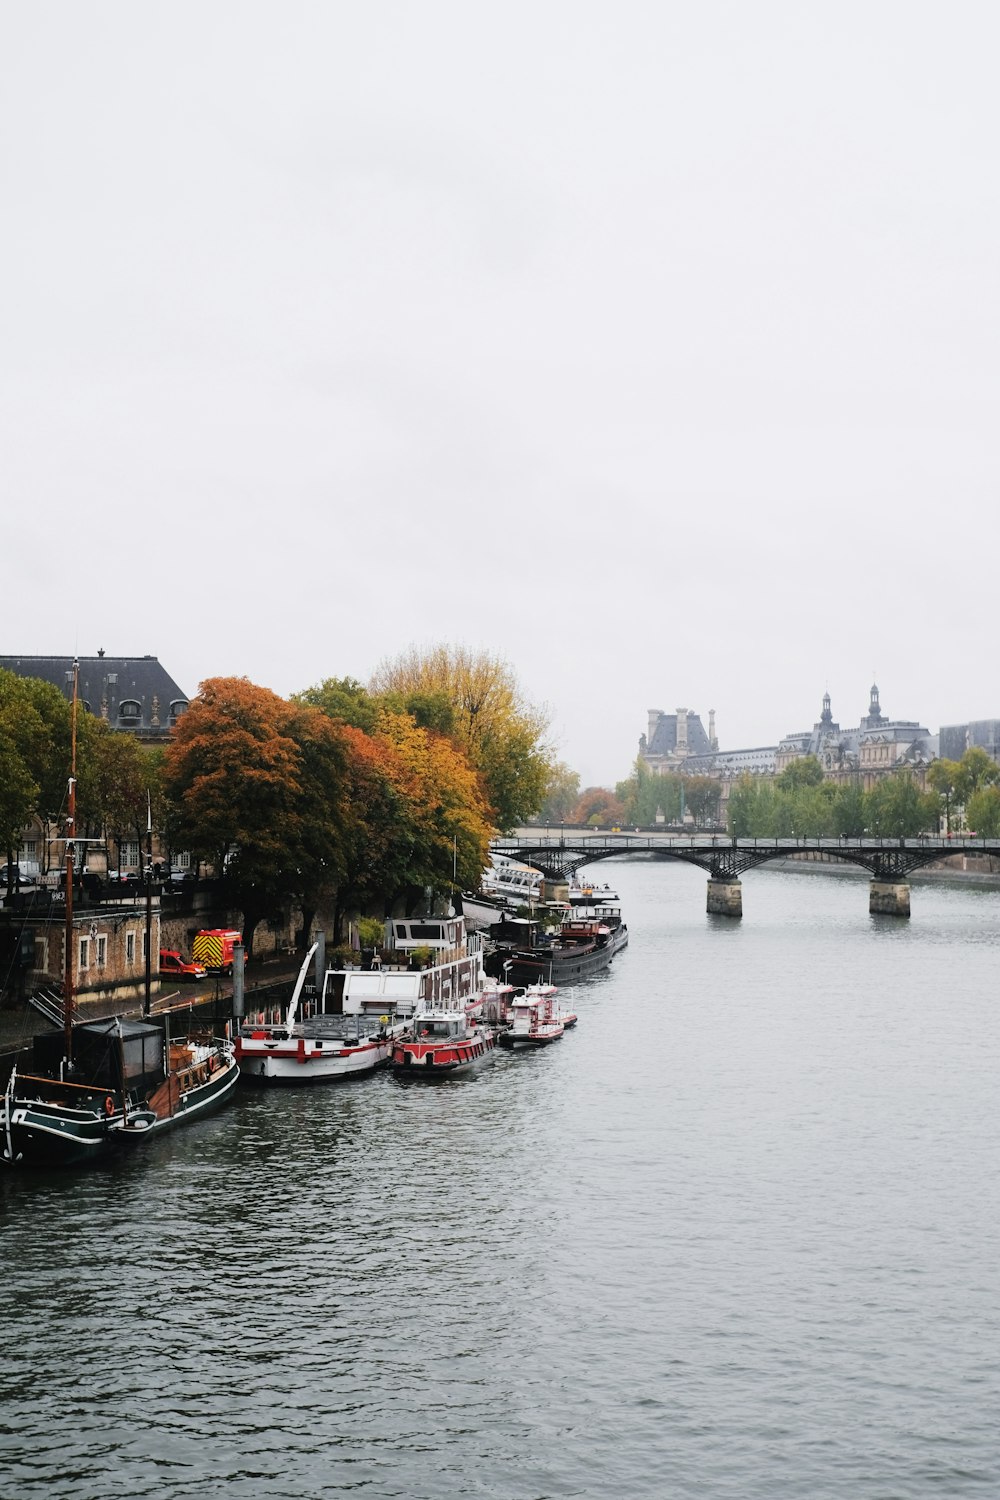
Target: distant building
(877, 745)
(671, 740)
(982, 734)
(133, 693)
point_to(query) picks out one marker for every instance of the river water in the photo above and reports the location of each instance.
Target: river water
(735, 1236)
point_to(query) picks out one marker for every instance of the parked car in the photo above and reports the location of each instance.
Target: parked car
(175, 966)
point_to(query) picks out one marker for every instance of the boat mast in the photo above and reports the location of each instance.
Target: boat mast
(70, 871)
(149, 905)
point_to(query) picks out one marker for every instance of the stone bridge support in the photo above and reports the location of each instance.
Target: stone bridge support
(889, 898)
(725, 898)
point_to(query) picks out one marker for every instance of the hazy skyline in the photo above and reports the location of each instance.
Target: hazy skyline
(652, 346)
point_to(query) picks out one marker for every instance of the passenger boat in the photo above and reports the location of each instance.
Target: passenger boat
(514, 884)
(533, 1023)
(102, 1083)
(350, 1023)
(588, 893)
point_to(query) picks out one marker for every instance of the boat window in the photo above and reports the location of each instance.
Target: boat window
(425, 929)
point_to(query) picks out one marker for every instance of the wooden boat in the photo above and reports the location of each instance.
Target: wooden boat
(128, 1082)
(350, 1023)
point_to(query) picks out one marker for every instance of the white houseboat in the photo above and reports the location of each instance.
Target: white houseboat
(349, 1024)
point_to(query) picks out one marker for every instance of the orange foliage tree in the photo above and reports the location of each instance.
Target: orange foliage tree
(251, 782)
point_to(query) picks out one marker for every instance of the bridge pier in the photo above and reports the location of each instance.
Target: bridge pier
(889, 898)
(725, 898)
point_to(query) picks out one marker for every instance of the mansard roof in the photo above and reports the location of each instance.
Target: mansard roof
(132, 692)
(664, 741)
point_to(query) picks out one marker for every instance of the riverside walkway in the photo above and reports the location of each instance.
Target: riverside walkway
(888, 860)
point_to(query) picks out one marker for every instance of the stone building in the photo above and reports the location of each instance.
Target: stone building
(876, 746)
(983, 734)
(132, 693)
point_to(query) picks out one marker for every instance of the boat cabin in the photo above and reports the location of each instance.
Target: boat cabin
(448, 975)
(108, 1054)
(438, 1028)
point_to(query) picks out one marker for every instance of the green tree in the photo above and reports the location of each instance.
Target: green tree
(702, 795)
(343, 699)
(805, 771)
(562, 793)
(983, 812)
(896, 808)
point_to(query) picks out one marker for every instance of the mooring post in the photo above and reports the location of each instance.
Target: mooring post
(889, 898)
(725, 898)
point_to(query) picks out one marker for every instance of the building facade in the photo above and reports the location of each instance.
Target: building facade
(876, 746)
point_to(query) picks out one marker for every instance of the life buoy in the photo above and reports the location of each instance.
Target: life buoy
(109, 1105)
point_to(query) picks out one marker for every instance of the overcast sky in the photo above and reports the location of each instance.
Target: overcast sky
(654, 346)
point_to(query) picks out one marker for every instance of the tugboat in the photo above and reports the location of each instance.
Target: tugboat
(440, 1043)
(352, 1025)
(533, 1023)
(541, 991)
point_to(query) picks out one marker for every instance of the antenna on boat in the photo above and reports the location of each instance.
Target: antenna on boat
(70, 871)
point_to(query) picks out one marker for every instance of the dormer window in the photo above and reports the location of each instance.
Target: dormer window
(129, 711)
(177, 707)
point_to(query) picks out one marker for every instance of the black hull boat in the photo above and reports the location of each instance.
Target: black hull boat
(579, 949)
(100, 1084)
(128, 1084)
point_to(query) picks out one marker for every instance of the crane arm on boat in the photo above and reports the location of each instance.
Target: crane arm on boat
(293, 1004)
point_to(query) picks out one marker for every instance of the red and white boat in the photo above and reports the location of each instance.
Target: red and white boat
(542, 991)
(496, 1002)
(533, 1021)
(350, 1024)
(441, 1043)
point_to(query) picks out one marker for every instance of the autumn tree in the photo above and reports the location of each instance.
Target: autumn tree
(447, 819)
(598, 805)
(502, 734)
(234, 775)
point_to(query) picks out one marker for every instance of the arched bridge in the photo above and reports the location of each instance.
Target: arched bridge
(889, 861)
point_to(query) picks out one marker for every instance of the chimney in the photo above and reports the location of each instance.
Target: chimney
(653, 715)
(682, 731)
(713, 742)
